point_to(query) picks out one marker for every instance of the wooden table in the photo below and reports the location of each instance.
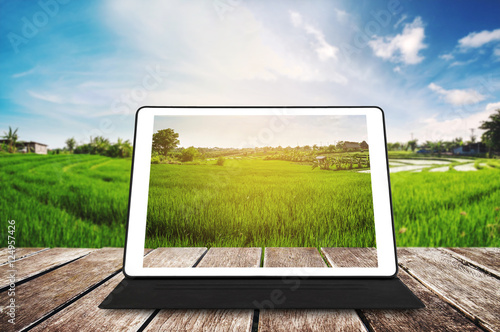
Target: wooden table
(59, 290)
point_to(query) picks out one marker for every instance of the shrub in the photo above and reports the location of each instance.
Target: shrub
(221, 160)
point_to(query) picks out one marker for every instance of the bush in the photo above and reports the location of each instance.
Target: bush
(220, 161)
(189, 154)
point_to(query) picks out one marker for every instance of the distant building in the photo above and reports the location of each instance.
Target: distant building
(31, 147)
(351, 145)
(364, 145)
(35, 147)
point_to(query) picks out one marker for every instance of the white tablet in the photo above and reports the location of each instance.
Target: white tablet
(261, 177)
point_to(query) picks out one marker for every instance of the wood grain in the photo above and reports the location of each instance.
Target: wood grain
(304, 320)
(471, 291)
(39, 297)
(487, 259)
(436, 316)
(351, 257)
(36, 264)
(292, 257)
(76, 316)
(173, 257)
(20, 253)
(232, 257)
(212, 320)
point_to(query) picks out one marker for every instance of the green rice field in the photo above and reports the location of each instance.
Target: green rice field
(252, 202)
(81, 201)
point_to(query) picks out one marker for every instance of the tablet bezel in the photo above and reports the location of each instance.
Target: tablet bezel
(139, 188)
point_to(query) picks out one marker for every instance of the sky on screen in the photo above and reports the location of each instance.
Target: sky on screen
(260, 131)
(81, 69)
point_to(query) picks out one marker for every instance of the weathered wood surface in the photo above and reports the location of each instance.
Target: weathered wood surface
(173, 257)
(39, 263)
(436, 316)
(39, 297)
(487, 259)
(20, 253)
(290, 320)
(460, 287)
(75, 316)
(232, 257)
(351, 257)
(293, 257)
(212, 320)
(473, 292)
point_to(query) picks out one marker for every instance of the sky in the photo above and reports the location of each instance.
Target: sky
(261, 131)
(82, 68)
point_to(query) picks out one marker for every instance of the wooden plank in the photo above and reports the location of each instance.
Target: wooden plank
(293, 257)
(202, 320)
(309, 320)
(232, 257)
(42, 262)
(212, 320)
(436, 316)
(84, 314)
(39, 297)
(487, 259)
(351, 257)
(173, 257)
(20, 253)
(290, 320)
(470, 290)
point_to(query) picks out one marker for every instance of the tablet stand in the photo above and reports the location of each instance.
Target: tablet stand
(282, 293)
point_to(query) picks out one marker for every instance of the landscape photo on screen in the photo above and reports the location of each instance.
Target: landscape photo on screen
(260, 181)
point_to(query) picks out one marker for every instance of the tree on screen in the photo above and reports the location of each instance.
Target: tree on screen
(165, 140)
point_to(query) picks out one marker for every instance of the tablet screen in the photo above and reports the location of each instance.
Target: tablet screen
(262, 181)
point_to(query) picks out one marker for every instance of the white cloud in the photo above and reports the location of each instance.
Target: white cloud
(403, 47)
(478, 39)
(496, 52)
(323, 49)
(447, 56)
(24, 73)
(46, 97)
(455, 125)
(342, 15)
(397, 69)
(458, 97)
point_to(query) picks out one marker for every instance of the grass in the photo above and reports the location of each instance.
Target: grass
(258, 203)
(453, 209)
(81, 201)
(66, 200)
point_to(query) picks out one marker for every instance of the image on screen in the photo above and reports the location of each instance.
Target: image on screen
(262, 181)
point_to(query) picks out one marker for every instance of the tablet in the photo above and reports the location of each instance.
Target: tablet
(261, 177)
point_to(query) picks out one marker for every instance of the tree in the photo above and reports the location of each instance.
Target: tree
(165, 140)
(99, 145)
(71, 144)
(120, 149)
(491, 136)
(189, 154)
(412, 144)
(11, 138)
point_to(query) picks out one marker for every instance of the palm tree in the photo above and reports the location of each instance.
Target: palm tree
(11, 137)
(124, 148)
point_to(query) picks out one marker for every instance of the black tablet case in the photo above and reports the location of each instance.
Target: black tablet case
(285, 293)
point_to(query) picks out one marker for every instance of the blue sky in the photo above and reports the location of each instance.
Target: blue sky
(82, 68)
